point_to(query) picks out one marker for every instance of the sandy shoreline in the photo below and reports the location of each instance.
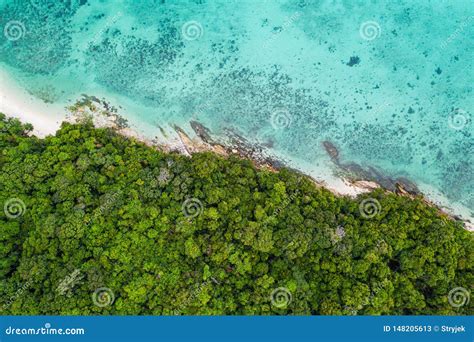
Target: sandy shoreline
(47, 118)
(18, 103)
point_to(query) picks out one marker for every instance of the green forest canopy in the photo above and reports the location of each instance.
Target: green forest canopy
(97, 223)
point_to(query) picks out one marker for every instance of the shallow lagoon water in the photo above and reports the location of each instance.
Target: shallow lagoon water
(389, 83)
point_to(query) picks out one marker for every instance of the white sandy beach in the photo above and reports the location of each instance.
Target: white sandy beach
(17, 102)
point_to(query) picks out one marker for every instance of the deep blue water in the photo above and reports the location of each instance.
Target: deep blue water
(387, 82)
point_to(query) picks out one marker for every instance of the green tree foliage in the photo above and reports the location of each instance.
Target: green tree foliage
(102, 210)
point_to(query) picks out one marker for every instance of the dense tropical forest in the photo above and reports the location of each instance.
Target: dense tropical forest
(94, 223)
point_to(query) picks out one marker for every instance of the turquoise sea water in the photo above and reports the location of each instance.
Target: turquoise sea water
(387, 82)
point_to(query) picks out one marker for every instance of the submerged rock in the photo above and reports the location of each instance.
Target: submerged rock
(356, 172)
(354, 169)
(404, 184)
(331, 150)
(202, 131)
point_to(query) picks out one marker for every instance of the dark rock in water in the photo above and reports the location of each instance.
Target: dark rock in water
(354, 60)
(332, 151)
(163, 132)
(385, 182)
(400, 185)
(374, 172)
(355, 170)
(202, 131)
(277, 164)
(268, 144)
(235, 142)
(179, 129)
(408, 186)
(237, 139)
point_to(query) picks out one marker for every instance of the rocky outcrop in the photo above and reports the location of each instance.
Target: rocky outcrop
(356, 172)
(201, 131)
(332, 151)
